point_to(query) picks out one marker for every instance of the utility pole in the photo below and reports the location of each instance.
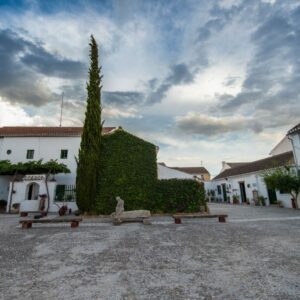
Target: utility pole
(61, 108)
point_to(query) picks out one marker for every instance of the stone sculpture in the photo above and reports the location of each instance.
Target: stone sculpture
(129, 216)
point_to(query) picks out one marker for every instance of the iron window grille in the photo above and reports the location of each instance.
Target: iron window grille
(30, 154)
(63, 154)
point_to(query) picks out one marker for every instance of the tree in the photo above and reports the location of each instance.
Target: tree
(88, 162)
(282, 179)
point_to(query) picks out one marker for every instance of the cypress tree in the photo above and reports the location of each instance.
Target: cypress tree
(88, 163)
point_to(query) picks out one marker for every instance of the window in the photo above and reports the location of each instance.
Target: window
(65, 193)
(284, 191)
(8, 152)
(219, 190)
(63, 154)
(30, 154)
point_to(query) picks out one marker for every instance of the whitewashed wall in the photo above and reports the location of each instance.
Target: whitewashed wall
(168, 173)
(45, 148)
(255, 182)
(283, 146)
(20, 194)
(296, 148)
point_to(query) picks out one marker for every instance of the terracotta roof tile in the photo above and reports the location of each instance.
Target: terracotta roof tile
(274, 161)
(22, 131)
(236, 164)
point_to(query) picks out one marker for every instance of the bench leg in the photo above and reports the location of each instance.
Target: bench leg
(117, 222)
(177, 220)
(74, 224)
(222, 219)
(26, 225)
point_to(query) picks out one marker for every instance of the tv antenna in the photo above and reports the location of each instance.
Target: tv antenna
(61, 108)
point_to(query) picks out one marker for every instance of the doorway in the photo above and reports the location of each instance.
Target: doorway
(224, 192)
(32, 191)
(243, 191)
(272, 196)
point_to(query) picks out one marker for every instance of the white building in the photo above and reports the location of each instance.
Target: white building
(22, 144)
(245, 181)
(284, 145)
(294, 136)
(165, 172)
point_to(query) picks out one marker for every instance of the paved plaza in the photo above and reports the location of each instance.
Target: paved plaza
(255, 255)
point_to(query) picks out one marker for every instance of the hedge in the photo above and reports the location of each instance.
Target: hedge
(128, 170)
(179, 195)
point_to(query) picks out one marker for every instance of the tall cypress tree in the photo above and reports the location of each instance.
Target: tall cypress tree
(88, 164)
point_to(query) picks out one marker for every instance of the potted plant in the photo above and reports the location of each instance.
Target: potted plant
(15, 208)
(235, 199)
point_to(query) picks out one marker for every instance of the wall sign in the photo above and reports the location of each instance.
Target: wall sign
(34, 177)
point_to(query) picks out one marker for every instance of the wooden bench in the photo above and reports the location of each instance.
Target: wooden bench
(27, 223)
(178, 217)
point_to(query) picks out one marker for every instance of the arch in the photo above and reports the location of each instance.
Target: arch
(32, 191)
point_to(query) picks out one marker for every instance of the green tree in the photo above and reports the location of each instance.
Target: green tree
(282, 179)
(88, 163)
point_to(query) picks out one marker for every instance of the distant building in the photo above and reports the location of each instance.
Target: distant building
(165, 172)
(293, 136)
(199, 173)
(245, 180)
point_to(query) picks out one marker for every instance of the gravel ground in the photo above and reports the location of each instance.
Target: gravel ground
(255, 255)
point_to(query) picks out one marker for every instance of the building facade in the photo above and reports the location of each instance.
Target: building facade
(24, 144)
(244, 181)
(294, 136)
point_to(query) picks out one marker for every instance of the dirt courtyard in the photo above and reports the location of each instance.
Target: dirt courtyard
(255, 255)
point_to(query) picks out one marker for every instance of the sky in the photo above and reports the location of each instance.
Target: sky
(206, 81)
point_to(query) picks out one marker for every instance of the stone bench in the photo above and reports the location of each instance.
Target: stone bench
(27, 223)
(178, 217)
(132, 216)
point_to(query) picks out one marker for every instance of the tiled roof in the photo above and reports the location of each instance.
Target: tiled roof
(236, 164)
(22, 131)
(274, 161)
(295, 129)
(191, 170)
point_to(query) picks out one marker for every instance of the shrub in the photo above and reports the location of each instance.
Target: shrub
(179, 195)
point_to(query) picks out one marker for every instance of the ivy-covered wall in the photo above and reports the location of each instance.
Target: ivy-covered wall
(128, 170)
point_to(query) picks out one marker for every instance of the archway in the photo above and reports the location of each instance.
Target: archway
(32, 191)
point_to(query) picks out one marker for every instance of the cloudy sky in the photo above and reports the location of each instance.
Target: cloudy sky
(206, 81)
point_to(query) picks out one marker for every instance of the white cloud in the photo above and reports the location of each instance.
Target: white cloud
(11, 115)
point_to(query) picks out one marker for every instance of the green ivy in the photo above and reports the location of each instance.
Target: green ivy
(128, 170)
